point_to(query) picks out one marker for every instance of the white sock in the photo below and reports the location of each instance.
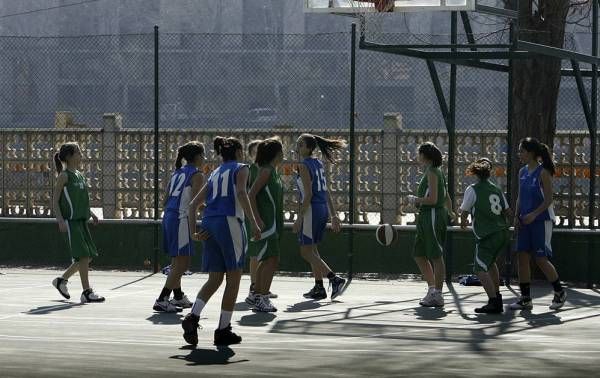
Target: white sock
(198, 306)
(225, 319)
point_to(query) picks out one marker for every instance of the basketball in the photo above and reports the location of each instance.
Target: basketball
(384, 5)
(385, 234)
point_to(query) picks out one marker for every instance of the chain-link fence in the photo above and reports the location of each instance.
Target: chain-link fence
(100, 91)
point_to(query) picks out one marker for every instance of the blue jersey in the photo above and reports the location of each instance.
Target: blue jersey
(180, 191)
(531, 194)
(319, 183)
(221, 197)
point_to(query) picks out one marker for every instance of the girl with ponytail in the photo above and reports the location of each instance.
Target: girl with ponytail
(71, 203)
(534, 218)
(185, 183)
(224, 248)
(316, 206)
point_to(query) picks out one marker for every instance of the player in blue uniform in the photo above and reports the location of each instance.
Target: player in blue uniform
(315, 208)
(185, 183)
(227, 205)
(534, 218)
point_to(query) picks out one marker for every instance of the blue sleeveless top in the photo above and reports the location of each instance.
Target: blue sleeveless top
(531, 194)
(221, 194)
(317, 176)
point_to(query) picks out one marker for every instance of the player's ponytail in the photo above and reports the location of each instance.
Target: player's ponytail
(58, 163)
(66, 150)
(179, 157)
(268, 150)
(539, 150)
(227, 147)
(189, 151)
(327, 146)
(547, 161)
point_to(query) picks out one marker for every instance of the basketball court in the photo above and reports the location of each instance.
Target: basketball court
(376, 328)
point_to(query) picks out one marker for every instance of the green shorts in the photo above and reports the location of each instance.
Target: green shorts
(264, 248)
(79, 240)
(488, 249)
(431, 233)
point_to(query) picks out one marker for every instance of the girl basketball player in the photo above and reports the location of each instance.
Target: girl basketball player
(534, 218)
(434, 207)
(266, 198)
(71, 204)
(185, 183)
(489, 209)
(315, 208)
(224, 251)
(252, 145)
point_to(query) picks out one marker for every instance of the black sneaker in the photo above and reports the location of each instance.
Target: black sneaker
(190, 328)
(494, 306)
(316, 293)
(337, 286)
(524, 303)
(226, 337)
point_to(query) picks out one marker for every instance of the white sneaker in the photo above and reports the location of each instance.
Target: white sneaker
(251, 299)
(263, 304)
(433, 299)
(61, 285)
(184, 302)
(165, 306)
(88, 296)
(427, 297)
(559, 300)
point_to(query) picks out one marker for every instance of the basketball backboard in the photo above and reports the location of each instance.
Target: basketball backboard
(353, 6)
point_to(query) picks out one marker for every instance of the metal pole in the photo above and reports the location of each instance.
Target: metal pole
(352, 147)
(593, 142)
(156, 136)
(451, 140)
(509, 152)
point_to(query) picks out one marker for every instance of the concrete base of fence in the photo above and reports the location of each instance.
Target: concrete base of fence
(127, 246)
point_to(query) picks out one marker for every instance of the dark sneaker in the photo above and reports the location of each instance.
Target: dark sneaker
(190, 328)
(61, 285)
(316, 293)
(226, 337)
(494, 306)
(337, 286)
(559, 300)
(523, 304)
(89, 296)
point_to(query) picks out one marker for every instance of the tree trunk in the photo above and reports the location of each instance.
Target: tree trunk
(536, 81)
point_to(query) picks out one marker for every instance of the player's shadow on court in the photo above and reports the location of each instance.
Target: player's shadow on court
(431, 313)
(165, 318)
(43, 310)
(305, 306)
(257, 319)
(218, 356)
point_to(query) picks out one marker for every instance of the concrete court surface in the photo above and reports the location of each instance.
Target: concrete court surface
(375, 329)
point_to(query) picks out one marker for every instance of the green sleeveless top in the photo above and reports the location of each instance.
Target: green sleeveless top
(423, 188)
(269, 201)
(75, 200)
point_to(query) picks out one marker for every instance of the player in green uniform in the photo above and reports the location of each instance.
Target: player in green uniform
(252, 145)
(266, 198)
(489, 209)
(72, 209)
(434, 207)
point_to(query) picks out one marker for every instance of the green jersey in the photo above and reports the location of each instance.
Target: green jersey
(486, 203)
(423, 188)
(269, 201)
(74, 200)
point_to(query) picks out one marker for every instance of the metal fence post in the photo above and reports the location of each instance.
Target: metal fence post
(352, 147)
(156, 136)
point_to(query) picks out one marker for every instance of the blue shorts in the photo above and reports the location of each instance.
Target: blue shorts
(225, 250)
(176, 236)
(314, 224)
(535, 237)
